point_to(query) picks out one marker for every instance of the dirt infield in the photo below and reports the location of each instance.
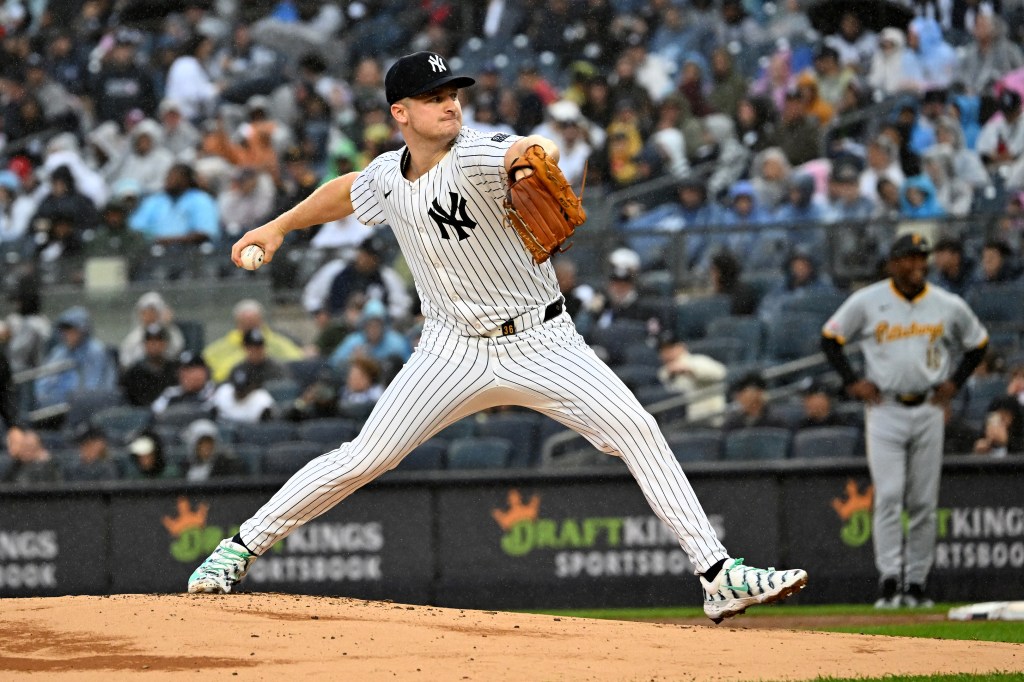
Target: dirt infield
(268, 636)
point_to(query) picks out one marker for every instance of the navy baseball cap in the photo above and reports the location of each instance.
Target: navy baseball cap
(190, 359)
(420, 72)
(909, 244)
(254, 337)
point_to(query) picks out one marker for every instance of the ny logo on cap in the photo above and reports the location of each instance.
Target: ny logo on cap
(436, 63)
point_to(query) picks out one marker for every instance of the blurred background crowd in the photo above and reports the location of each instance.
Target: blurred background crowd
(747, 163)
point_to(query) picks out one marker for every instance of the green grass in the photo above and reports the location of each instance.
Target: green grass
(978, 630)
(759, 612)
(994, 677)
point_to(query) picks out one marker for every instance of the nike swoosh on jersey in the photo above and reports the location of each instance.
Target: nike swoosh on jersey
(387, 194)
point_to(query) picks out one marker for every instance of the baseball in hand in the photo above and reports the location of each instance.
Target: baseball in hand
(252, 257)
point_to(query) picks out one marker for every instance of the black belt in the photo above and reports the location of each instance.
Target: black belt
(910, 399)
(508, 327)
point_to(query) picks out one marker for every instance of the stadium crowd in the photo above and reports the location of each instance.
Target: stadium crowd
(156, 133)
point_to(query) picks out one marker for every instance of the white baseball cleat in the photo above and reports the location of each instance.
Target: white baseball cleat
(222, 570)
(737, 587)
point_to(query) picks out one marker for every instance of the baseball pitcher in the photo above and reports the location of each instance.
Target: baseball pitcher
(477, 216)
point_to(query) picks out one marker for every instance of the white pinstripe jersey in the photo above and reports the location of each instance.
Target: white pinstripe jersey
(471, 270)
(909, 346)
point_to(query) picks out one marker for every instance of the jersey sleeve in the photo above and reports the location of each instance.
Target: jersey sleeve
(366, 204)
(482, 157)
(846, 322)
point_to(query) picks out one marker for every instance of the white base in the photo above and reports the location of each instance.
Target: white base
(990, 610)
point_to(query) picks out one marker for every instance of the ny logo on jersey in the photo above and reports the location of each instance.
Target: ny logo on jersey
(436, 63)
(456, 217)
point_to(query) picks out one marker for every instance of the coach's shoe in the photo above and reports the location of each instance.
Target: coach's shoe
(914, 597)
(889, 596)
(737, 587)
(222, 570)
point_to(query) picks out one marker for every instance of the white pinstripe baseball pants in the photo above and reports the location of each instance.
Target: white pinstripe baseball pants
(548, 368)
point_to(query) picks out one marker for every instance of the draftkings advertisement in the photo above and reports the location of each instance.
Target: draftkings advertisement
(372, 546)
(512, 542)
(559, 545)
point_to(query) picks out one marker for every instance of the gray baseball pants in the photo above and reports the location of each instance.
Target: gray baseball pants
(904, 447)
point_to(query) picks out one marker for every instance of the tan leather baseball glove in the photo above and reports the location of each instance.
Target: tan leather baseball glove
(541, 207)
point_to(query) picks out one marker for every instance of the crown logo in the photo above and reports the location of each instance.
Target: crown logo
(855, 500)
(187, 518)
(518, 511)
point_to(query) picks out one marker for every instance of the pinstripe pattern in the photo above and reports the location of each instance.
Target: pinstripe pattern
(468, 287)
(548, 368)
(473, 284)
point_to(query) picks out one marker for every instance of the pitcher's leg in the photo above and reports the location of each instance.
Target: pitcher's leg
(568, 382)
(429, 393)
(886, 433)
(924, 471)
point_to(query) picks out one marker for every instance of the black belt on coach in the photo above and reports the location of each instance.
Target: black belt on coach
(910, 399)
(508, 327)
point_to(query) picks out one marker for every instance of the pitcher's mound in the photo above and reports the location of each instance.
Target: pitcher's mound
(277, 636)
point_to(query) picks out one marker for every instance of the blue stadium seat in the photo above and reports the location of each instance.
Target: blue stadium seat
(428, 456)
(998, 304)
(284, 391)
(357, 411)
(980, 392)
(521, 429)
(121, 422)
(794, 335)
(650, 395)
(194, 333)
(464, 428)
(479, 453)
(655, 283)
(642, 354)
(763, 281)
(757, 443)
(821, 304)
(251, 456)
(637, 376)
(306, 371)
(84, 404)
(617, 337)
(727, 350)
(176, 455)
(52, 439)
(827, 442)
(790, 412)
(182, 414)
(287, 457)
(266, 433)
(329, 431)
(696, 445)
(747, 328)
(694, 316)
